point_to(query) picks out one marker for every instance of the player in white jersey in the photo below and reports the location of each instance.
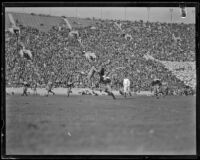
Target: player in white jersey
(126, 84)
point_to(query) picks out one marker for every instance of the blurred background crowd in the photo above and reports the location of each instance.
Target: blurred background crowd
(57, 56)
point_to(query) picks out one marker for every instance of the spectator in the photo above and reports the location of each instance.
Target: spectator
(55, 55)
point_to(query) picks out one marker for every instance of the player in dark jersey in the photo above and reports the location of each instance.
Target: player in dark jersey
(49, 88)
(156, 84)
(25, 88)
(69, 86)
(105, 80)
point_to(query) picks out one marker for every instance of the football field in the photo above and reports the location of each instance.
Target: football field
(86, 124)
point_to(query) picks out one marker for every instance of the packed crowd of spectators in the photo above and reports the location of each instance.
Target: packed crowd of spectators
(185, 71)
(169, 42)
(58, 57)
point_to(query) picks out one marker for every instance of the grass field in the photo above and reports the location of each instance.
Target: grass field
(100, 125)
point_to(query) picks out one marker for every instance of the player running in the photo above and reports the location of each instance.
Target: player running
(105, 80)
(49, 88)
(25, 88)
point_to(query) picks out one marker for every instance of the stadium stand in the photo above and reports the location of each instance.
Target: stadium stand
(55, 56)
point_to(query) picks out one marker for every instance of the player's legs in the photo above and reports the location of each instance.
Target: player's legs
(160, 91)
(125, 90)
(129, 91)
(48, 92)
(101, 83)
(93, 92)
(35, 91)
(91, 72)
(89, 81)
(108, 90)
(68, 91)
(156, 92)
(121, 91)
(24, 91)
(47, 89)
(52, 92)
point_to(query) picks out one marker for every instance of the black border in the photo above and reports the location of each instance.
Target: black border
(191, 3)
(101, 4)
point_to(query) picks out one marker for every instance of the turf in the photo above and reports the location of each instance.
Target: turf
(100, 125)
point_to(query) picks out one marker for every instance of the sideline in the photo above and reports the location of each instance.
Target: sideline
(63, 91)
